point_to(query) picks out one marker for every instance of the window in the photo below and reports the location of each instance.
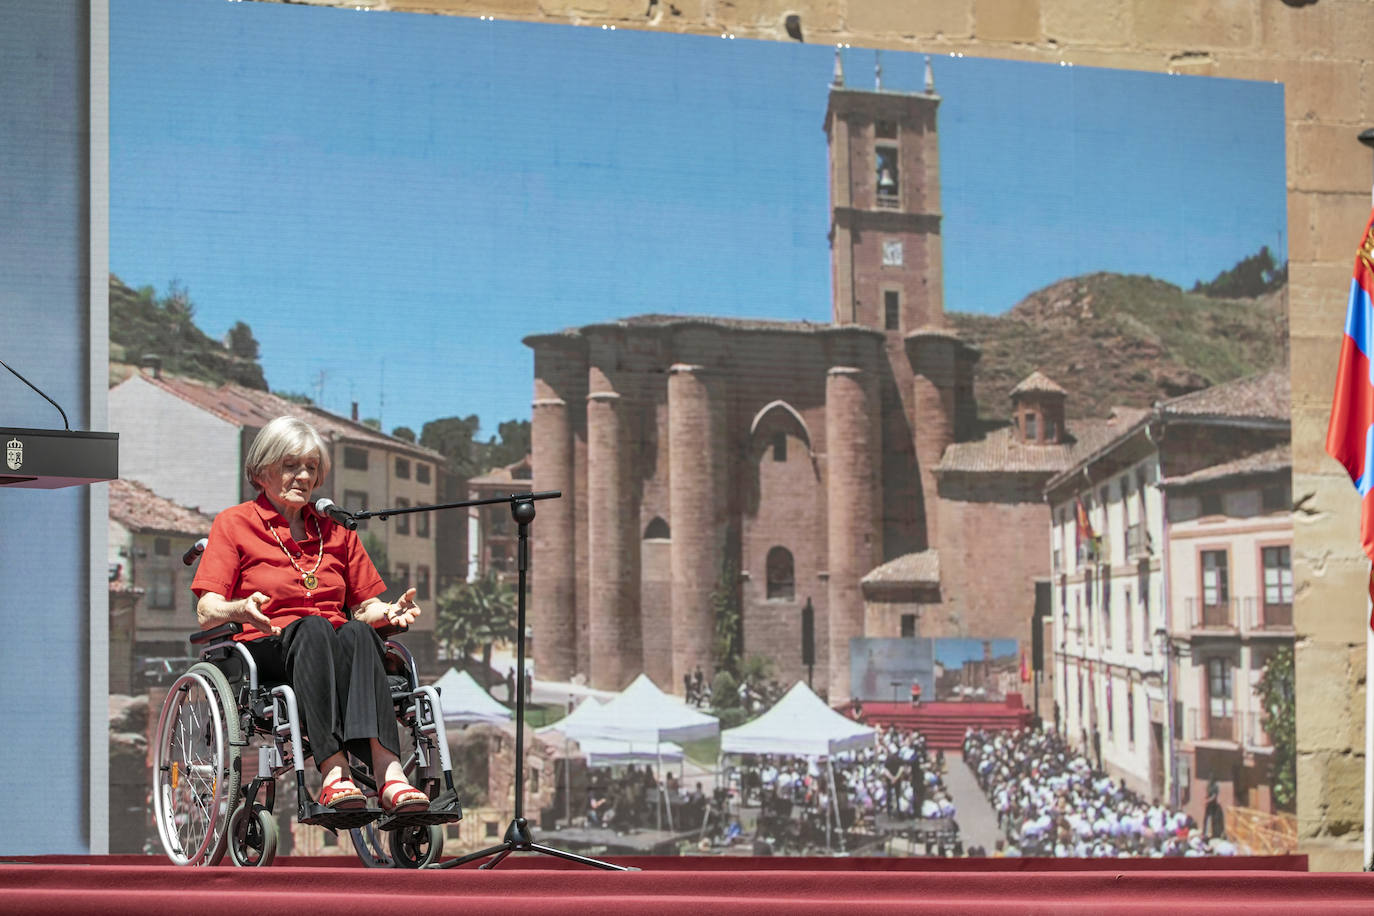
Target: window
(892, 310)
(356, 501)
(885, 130)
(658, 529)
(1275, 499)
(400, 575)
(403, 468)
(1278, 575)
(1051, 431)
(498, 557)
(1107, 606)
(1031, 431)
(421, 473)
(1215, 586)
(1142, 585)
(1130, 717)
(162, 547)
(1219, 689)
(1211, 503)
(355, 459)
(1111, 710)
(422, 583)
(781, 585)
(422, 524)
(908, 626)
(886, 171)
(1129, 619)
(1088, 589)
(402, 521)
(779, 446)
(162, 586)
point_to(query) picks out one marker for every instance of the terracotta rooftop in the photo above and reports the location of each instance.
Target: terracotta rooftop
(508, 475)
(138, 508)
(920, 568)
(1266, 396)
(1039, 382)
(249, 407)
(1001, 451)
(1270, 461)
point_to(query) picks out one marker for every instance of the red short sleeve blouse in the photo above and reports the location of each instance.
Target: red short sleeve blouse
(243, 557)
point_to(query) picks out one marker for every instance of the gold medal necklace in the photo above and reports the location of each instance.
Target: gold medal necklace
(308, 578)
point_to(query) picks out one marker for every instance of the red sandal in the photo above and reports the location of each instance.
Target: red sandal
(404, 798)
(342, 795)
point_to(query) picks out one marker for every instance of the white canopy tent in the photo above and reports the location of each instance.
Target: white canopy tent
(801, 725)
(464, 702)
(641, 718)
(642, 713)
(605, 752)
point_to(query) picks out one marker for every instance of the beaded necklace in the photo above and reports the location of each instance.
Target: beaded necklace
(308, 578)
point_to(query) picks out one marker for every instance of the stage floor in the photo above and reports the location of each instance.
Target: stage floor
(695, 885)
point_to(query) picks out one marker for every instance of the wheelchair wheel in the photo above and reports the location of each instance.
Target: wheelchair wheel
(196, 766)
(368, 844)
(416, 847)
(252, 836)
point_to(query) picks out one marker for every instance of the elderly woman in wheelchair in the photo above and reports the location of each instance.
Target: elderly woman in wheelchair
(289, 598)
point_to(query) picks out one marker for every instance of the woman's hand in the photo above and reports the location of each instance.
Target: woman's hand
(403, 610)
(214, 609)
(250, 612)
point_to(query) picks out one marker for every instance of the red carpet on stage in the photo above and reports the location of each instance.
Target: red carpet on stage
(695, 885)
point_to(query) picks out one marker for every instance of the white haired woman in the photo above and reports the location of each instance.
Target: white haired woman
(306, 592)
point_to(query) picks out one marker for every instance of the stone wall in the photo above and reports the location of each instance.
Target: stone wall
(1319, 52)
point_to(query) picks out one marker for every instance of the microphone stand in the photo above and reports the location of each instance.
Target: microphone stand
(519, 837)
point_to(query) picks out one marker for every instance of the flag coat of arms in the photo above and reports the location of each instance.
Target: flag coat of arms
(1350, 433)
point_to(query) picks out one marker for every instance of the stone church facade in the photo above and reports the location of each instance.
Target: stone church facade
(822, 471)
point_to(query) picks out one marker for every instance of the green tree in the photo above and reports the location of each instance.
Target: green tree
(1249, 277)
(376, 550)
(725, 607)
(452, 437)
(404, 432)
(514, 444)
(1280, 723)
(241, 341)
(475, 616)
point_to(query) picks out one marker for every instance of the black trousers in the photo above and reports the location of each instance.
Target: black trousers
(340, 683)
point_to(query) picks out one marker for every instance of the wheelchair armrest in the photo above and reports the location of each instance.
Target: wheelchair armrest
(391, 629)
(216, 633)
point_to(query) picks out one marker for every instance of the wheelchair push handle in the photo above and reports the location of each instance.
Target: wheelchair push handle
(194, 551)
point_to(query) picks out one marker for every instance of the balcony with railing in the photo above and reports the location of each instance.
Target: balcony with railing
(1201, 727)
(1247, 615)
(1137, 541)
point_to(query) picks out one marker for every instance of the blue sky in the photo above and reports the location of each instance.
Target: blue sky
(392, 201)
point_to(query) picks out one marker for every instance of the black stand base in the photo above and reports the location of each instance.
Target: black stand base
(519, 839)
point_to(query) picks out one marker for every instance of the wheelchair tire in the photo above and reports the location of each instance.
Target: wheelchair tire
(252, 836)
(196, 766)
(368, 844)
(416, 847)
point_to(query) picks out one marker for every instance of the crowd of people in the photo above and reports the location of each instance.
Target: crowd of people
(895, 780)
(632, 800)
(1050, 801)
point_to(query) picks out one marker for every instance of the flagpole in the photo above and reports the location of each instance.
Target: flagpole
(1367, 138)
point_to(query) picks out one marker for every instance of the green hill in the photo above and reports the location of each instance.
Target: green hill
(143, 327)
(1111, 339)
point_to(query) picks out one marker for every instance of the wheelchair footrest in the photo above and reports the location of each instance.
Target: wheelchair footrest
(332, 819)
(444, 809)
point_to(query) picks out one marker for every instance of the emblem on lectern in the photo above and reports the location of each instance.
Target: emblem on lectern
(14, 454)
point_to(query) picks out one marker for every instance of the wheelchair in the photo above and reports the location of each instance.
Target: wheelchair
(218, 712)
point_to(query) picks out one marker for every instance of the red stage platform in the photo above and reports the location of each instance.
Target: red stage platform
(688, 885)
(944, 724)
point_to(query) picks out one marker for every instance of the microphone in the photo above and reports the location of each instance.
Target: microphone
(326, 506)
(194, 551)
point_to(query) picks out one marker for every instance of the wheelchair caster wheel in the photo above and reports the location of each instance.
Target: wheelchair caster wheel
(416, 847)
(252, 836)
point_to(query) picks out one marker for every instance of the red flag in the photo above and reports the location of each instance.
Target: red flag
(1084, 528)
(1350, 434)
(1025, 668)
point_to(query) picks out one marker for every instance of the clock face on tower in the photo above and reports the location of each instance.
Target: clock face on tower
(892, 252)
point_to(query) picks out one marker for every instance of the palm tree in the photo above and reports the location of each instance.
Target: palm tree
(476, 615)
